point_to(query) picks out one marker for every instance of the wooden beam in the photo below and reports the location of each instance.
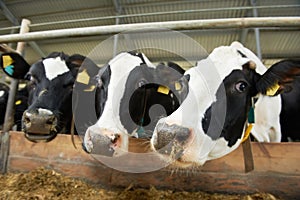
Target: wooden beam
(276, 168)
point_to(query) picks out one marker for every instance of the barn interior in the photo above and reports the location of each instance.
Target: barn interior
(271, 44)
(275, 43)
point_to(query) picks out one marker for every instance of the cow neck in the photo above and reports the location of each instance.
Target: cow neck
(251, 121)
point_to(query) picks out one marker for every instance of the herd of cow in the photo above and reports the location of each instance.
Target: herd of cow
(191, 116)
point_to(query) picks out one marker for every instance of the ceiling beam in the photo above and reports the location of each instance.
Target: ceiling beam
(8, 14)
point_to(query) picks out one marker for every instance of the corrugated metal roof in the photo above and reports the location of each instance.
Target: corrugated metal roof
(276, 43)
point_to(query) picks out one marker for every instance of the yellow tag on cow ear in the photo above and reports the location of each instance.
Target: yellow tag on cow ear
(83, 77)
(272, 90)
(7, 60)
(177, 86)
(18, 102)
(90, 89)
(163, 89)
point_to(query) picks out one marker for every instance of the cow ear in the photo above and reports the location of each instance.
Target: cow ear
(14, 65)
(84, 69)
(74, 62)
(182, 82)
(279, 77)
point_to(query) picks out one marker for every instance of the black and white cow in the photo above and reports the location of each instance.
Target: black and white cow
(277, 118)
(50, 87)
(20, 104)
(210, 122)
(133, 94)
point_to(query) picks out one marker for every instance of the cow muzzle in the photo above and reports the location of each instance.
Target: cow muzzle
(103, 142)
(171, 140)
(40, 125)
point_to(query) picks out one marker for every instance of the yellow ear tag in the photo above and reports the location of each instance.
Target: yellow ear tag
(163, 89)
(7, 60)
(272, 90)
(90, 89)
(18, 102)
(247, 132)
(83, 77)
(177, 86)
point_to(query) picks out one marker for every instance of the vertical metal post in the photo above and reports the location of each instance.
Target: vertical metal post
(9, 114)
(247, 148)
(116, 37)
(256, 31)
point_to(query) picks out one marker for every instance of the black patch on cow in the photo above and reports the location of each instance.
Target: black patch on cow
(243, 55)
(141, 95)
(290, 108)
(3, 101)
(103, 80)
(20, 104)
(227, 116)
(84, 94)
(282, 73)
(290, 113)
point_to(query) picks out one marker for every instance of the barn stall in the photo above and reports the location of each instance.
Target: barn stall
(274, 168)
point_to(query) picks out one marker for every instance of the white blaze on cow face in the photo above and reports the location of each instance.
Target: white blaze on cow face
(205, 79)
(2, 92)
(109, 121)
(54, 67)
(43, 111)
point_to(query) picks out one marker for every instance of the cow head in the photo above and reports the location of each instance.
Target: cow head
(129, 89)
(211, 121)
(50, 88)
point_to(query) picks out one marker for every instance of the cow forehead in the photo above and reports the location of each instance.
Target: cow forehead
(122, 65)
(225, 59)
(54, 67)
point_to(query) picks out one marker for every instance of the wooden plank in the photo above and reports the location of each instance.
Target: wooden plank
(276, 167)
(248, 157)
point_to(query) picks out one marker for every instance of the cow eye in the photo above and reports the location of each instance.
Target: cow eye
(241, 86)
(31, 78)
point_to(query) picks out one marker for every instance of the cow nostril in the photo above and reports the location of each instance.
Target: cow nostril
(26, 120)
(183, 135)
(117, 136)
(50, 121)
(168, 134)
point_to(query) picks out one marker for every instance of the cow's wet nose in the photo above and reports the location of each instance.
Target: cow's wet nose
(41, 121)
(101, 142)
(168, 136)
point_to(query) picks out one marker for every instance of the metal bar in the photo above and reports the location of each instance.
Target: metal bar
(116, 37)
(8, 14)
(175, 25)
(37, 49)
(244, 34)
(10, 109)
(256, 31)
(15, 21)
(151, 14)
(162, 13)
(257, 41)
